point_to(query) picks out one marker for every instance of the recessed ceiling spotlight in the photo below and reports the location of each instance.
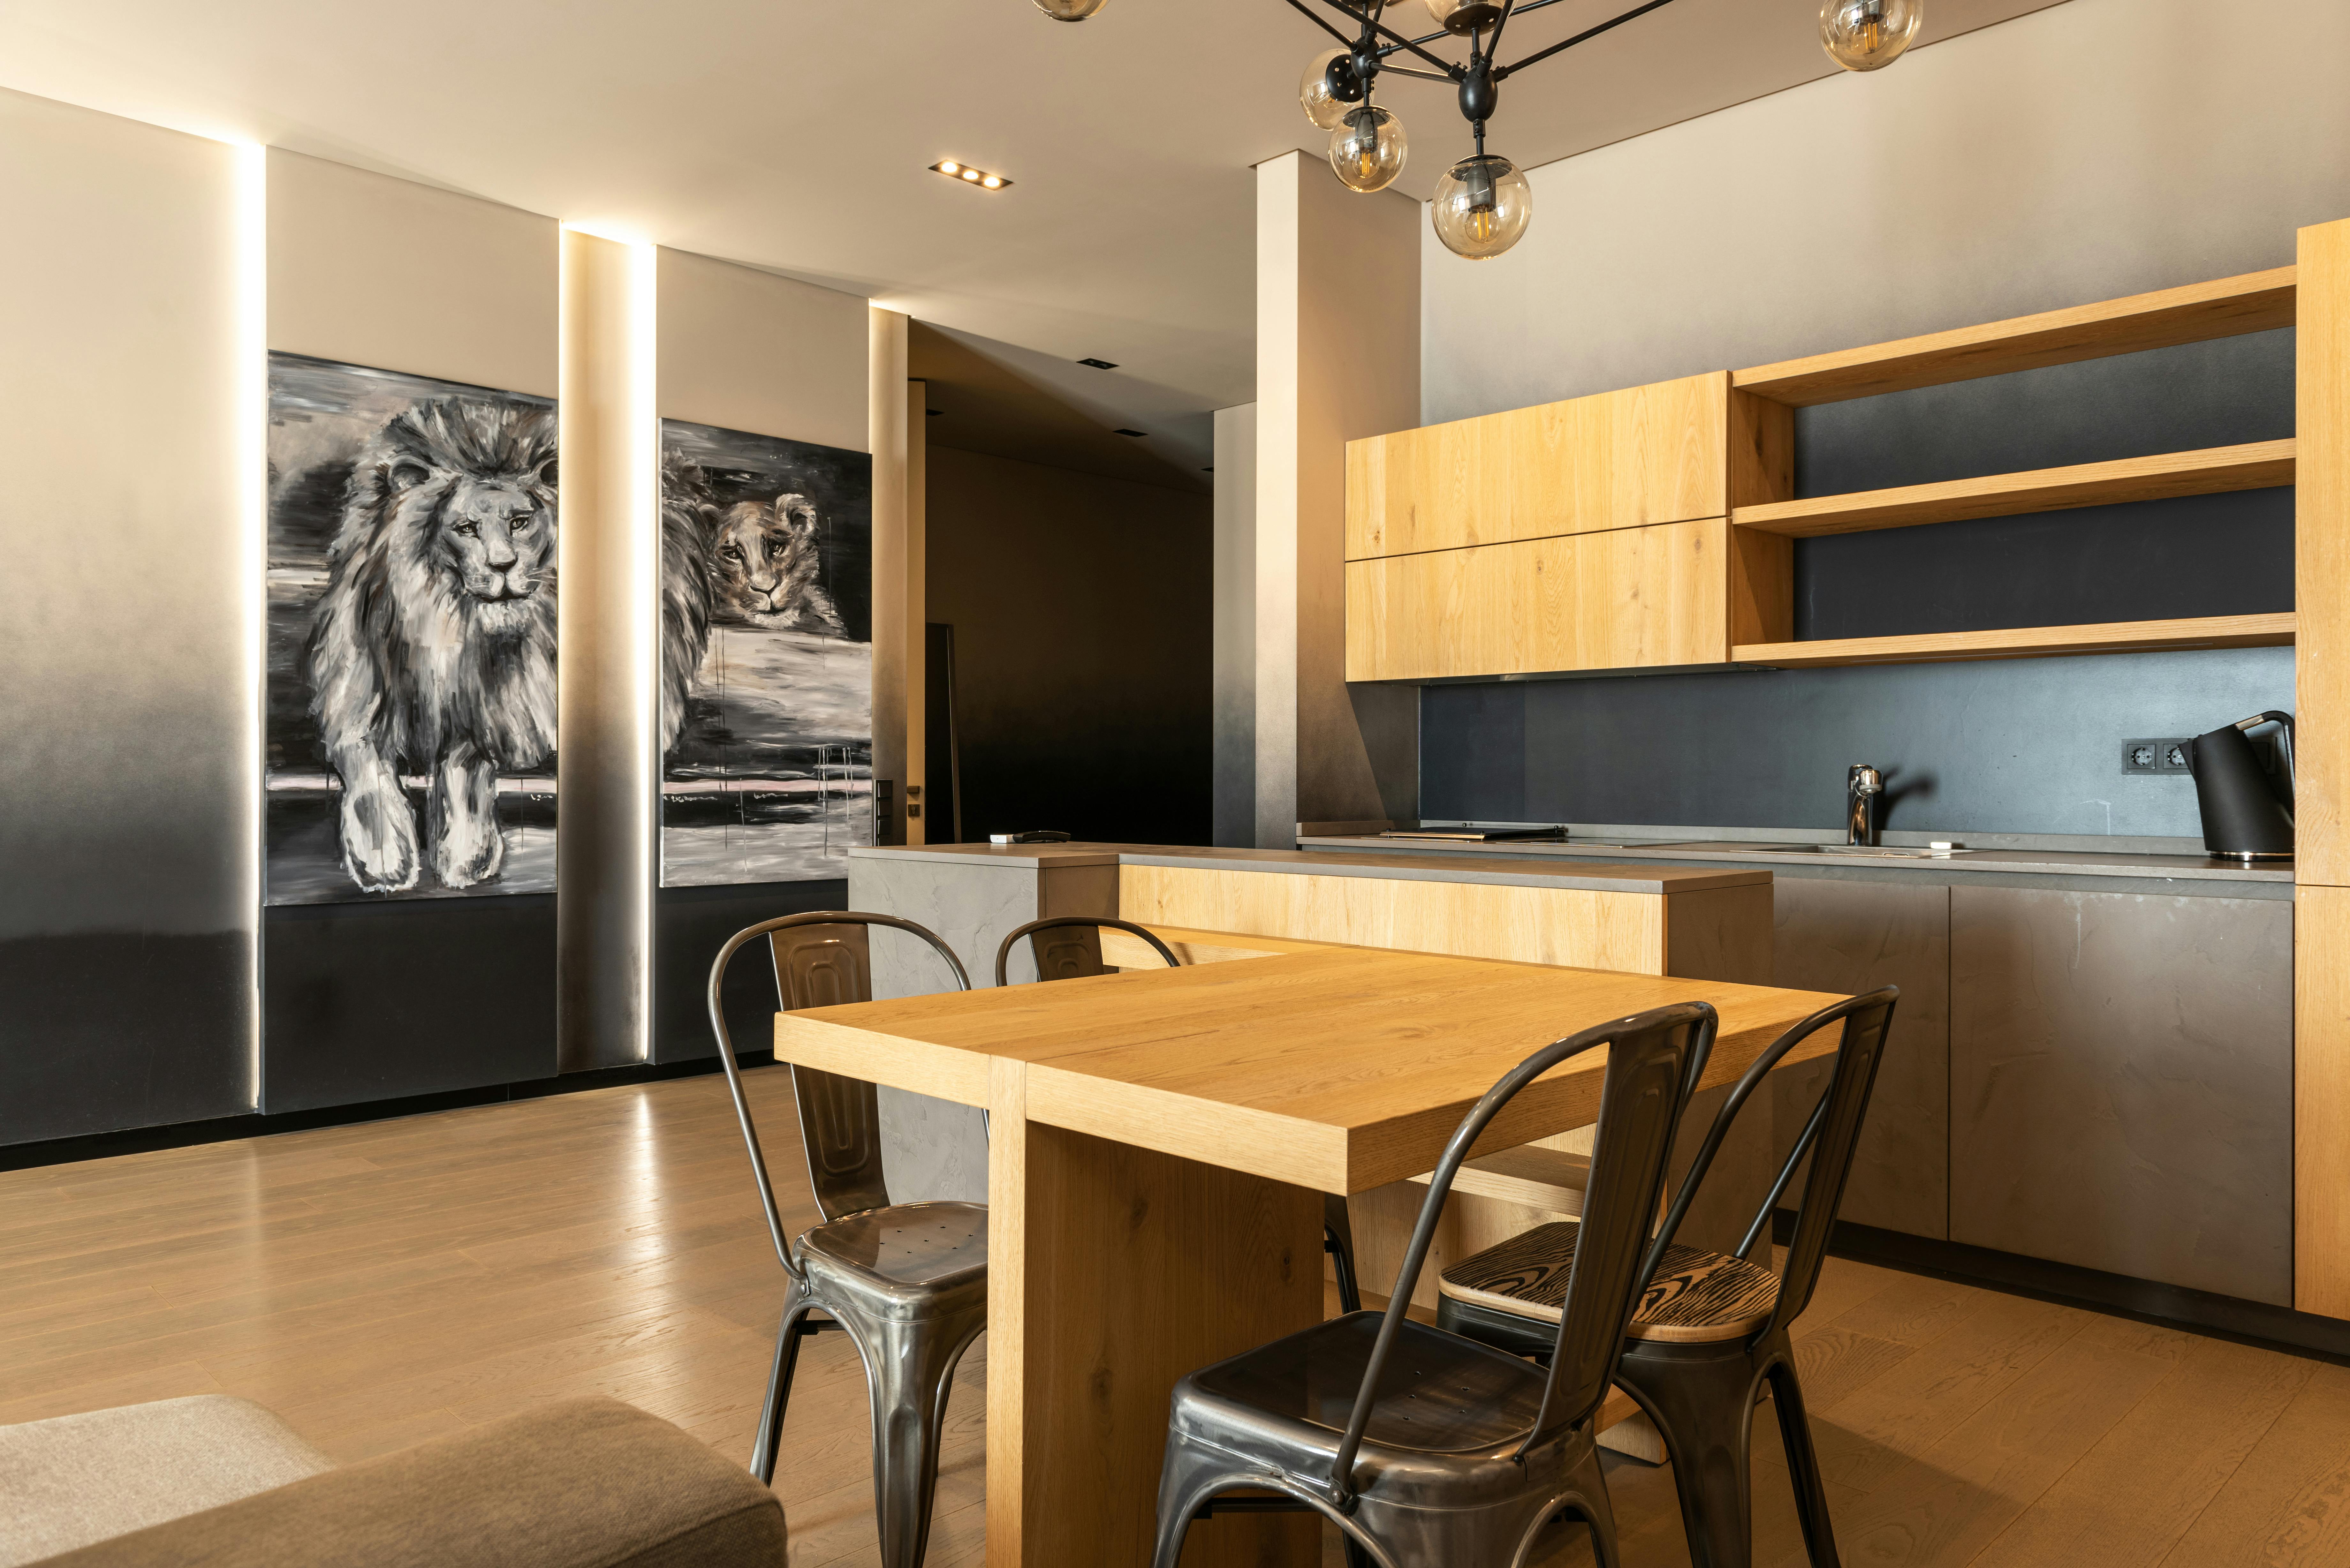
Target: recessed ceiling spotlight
(1125, 433)
(963, 173)
(1099, 364)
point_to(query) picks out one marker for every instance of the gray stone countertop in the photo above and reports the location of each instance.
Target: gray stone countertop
(1656, 875)
(1974, 862)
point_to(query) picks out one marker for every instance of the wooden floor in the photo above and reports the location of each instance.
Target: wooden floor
(377, 1285)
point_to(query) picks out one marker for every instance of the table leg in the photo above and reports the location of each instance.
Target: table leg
(1112, 1271)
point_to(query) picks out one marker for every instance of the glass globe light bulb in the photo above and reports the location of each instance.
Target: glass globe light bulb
(1070, 10)
(1367, 149)
(1464, 16)
(1868, 35)
(1314, 91)
(1481, 206)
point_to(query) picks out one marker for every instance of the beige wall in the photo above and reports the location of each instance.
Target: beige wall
(747, 350)
(2096, 149)
(127, 587)
(1337, 358)
(371, 270)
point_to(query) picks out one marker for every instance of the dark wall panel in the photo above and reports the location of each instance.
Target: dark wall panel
(374, 1002)
(101, 1030)
(1082, 609)
(689, 925)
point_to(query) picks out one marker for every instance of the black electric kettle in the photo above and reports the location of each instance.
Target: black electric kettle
(2245, 817)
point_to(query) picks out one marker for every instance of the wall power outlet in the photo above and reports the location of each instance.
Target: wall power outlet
(2166, 755)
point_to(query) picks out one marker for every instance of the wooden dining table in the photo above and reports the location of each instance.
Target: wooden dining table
(1159, 1143)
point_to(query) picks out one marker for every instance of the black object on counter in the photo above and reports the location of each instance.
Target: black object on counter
(2245, 817)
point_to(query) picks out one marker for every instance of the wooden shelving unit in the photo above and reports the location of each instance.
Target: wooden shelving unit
(2275, 630)
(2225, 308)
(1763, 528)
(2258, 465)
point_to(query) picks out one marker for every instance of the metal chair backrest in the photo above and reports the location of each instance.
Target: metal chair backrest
(1654, 1060)
(1068, 947)
(1830, 1135)
(821, 960)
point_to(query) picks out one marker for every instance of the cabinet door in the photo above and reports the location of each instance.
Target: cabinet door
(1855, 936)
(2121, 1084)
(1617, 601)
(1615, 459)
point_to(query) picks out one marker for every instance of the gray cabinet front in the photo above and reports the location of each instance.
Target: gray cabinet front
(2121, 1084)
(1853, 936)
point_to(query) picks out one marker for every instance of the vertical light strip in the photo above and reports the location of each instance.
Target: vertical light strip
(251, 390)
(645, 610)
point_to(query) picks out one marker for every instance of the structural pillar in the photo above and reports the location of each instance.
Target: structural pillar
(1337, 358)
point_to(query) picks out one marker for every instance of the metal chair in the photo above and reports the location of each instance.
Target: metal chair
(1072, 952)
(1710, 1328)
(908, 1282)
(1426, 1447)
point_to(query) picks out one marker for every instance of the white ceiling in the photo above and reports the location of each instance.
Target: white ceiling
(796, 137)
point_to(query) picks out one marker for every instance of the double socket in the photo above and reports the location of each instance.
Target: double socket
(2166, 755)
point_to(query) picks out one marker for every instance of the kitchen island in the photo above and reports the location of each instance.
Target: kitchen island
(1706, 923)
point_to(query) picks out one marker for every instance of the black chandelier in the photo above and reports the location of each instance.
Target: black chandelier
(1482, 202)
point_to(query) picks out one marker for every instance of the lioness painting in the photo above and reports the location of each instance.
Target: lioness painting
(762, 565)
(766, 765)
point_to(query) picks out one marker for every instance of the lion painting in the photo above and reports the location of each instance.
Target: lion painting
(433, 647)
(764, 566)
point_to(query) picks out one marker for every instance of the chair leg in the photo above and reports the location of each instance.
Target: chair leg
(1598, 1510)
(1803, 1464)
(1704, 1406)
(908, 1366)
(788, 1334)
(1338, 1240)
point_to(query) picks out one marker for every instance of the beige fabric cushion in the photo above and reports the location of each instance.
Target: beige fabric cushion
(73, 1480)
(586, 1483)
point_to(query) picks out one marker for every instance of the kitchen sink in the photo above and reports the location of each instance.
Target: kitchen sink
(1861, 851)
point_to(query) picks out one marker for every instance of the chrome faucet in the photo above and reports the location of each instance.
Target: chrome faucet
(1862, 785)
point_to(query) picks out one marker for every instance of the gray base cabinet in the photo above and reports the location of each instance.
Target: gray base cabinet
(2121, 1084)
(1851, 936)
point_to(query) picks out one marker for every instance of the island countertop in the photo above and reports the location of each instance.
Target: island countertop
(1657, 876)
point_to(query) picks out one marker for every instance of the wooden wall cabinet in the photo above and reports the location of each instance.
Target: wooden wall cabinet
(1614, 459)
(1627, 598)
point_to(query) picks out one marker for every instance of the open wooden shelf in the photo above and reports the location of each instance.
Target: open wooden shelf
(2225, 308)
(2275, 630)
(2258, 465)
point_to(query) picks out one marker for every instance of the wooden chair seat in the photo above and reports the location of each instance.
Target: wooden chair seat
(1697, 1297)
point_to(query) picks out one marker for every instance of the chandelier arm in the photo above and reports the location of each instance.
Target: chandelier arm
(1397, 40)
(1584, 36)
(1314, 16)
(1493, 44)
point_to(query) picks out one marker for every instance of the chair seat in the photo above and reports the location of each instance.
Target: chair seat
(1698, 1297)
(1441, 1394)
(908, 1259)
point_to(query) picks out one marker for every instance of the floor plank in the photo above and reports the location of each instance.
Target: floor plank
(385, 1284)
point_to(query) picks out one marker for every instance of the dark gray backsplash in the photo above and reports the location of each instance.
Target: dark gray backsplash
(2008, 746)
